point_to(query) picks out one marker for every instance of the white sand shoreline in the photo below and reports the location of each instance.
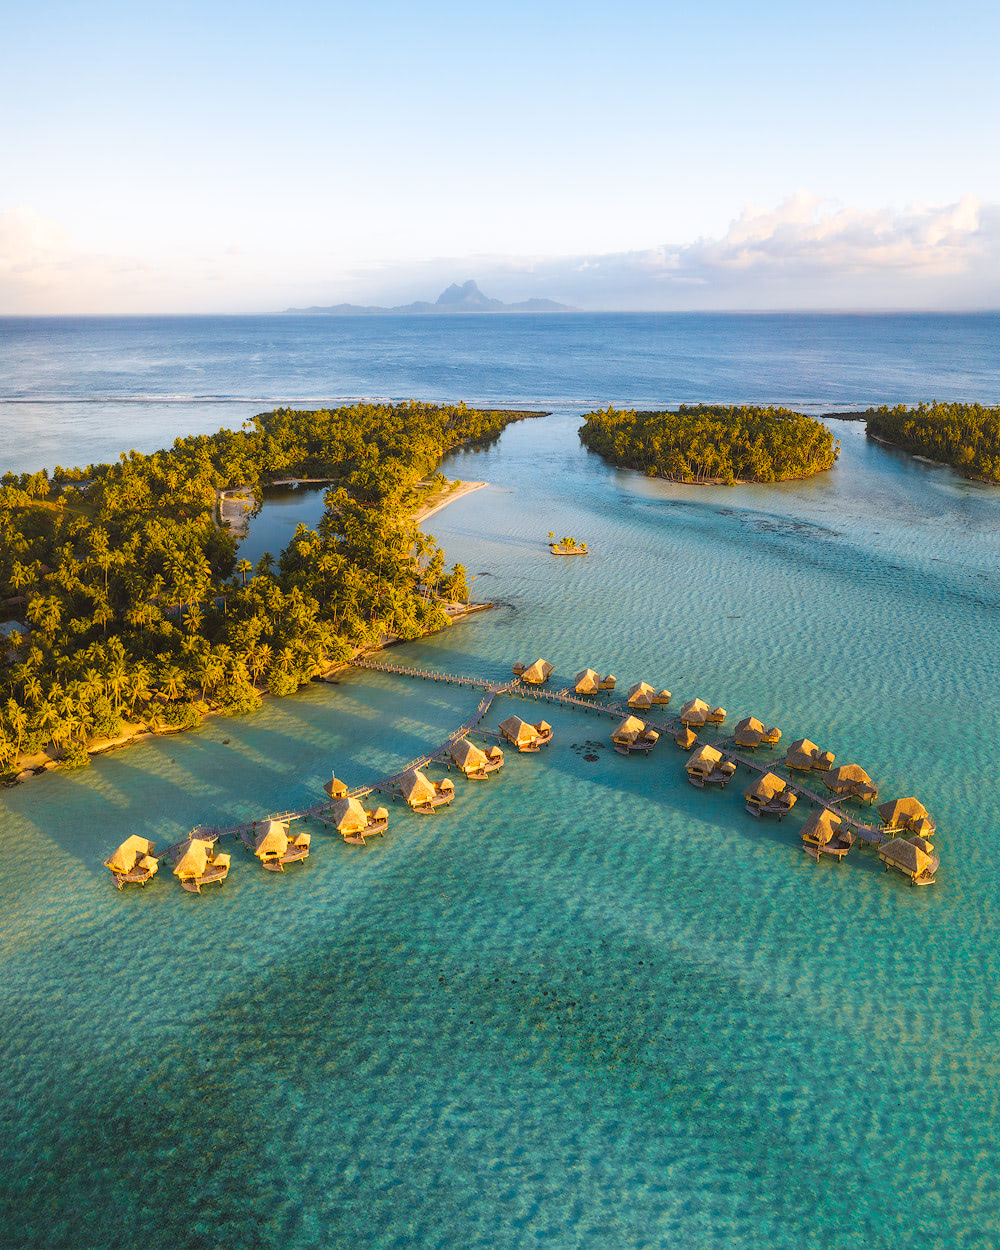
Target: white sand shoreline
(437, 503)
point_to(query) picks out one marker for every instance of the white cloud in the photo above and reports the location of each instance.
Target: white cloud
(804, 253)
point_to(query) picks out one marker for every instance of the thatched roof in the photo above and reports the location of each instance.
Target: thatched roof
(610, 680)
(271, 839)
(519, 731)
(923, 826)
(630, 729)
(150, 863)
(468, 757)
(704, 761)
(686, 738)
(904, 854)
(821, 826)
(537, 672)
(495, 753)
(901, 812)
(416, 787)
(853, 773)
(694, 712)
(445, 783)
(587, 682)
(765, 788)
(380, 813)
(802, 752)
(641, 694)
(749, 724)
(349, 816)
(543, 727)
(663, 697)
(336, 789)
(123, 859)
(192, 858)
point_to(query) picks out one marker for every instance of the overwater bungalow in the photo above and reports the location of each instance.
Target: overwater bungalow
(708, 767)
(473, 761)
(913, 857)
(641, 695)
(422, 794)
(587, 682)
(607, 683)
(336, 789)
(851, 781)
(906, 815)
(524, 736)
(805, 755)
(133, 862)
(634, 734)
(750, 733)
(354, 823)
(769, 796)
(534, 674)
(716, 716)
(685, 738)
(275, 846)
(198, 864)
(694, 713)
(825, 833)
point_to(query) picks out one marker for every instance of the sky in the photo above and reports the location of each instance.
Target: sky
(216, 157)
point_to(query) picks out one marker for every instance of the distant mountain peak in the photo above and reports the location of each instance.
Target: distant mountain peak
(464, 298)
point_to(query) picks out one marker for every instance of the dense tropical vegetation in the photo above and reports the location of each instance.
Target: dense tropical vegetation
(138, 610)
(966, 436)
(713, 444)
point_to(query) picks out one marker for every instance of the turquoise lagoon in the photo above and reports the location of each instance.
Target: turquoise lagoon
(587, 1005)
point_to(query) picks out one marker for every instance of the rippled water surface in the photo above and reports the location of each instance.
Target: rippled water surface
(588, 1005)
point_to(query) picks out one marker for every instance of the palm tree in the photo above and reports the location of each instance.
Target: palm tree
(244, 567)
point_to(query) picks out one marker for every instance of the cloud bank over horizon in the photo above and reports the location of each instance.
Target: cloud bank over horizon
(804, 254)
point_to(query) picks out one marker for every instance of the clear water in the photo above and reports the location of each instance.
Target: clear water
(587, 1005)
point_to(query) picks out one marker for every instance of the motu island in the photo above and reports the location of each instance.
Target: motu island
(965, 436)
(713, 444)
(141, 618)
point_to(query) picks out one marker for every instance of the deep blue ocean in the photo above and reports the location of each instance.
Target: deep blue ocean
(80, 389)
(587, 1005)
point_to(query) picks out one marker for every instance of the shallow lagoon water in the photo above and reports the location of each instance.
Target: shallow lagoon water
(587, 1005)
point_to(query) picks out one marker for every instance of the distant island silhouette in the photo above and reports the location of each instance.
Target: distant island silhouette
(466, 298)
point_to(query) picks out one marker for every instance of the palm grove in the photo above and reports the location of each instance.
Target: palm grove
(713, 444)
(139, 610)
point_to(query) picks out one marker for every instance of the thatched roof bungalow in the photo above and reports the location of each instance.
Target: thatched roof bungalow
(354, 823)
(473, 761)
(906, 814)
(686, 738)
(908, 856)
(196, 864)
(608, 683)
(336, 789)
(424, 795)
(634, 734)
(851, 780)
(537, 673)
(524, 736)
(802, 754)
(587, 682)
(769, 794)
(824, 832)
(708, 766)
(694, 713)
(750, 733)
(641, 695)
(133, 862)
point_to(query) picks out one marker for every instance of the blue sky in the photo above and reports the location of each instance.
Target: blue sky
(243, 157)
